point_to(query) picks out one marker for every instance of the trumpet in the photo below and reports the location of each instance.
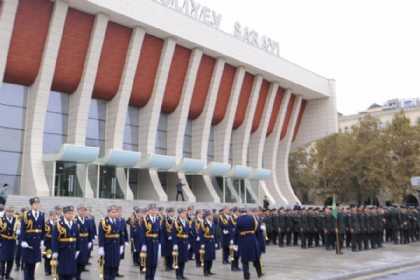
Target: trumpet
(175, 254)
(202, 252)
(54, 265)
(101, 263)
(143, 257)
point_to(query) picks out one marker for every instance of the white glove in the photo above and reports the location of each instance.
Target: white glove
(262, 227)
(55, 255)
(175, 247)
(42, 243)
(198, 239)
(231, 242)
(225, 231)
(235, 248)
(189, 246)
(90, 245)
(76, 255)
(24, 244)
(215, 246)
(18, 232)
(170, 238)
(121, 249)
(126, 243)
(101, 251)
(144, 248)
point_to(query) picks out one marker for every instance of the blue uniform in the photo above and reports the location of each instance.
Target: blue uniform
(208, 239)
(85, 244)
(235, 261)
(181, 235)
(226, 230)
(167, 241)
(153, 230)
(248, 246)
(111, 239)
(260, 236)
(7, 245)
(196, 229)
(65, 243)
(47, 243)
(32, 232)
(138, 237)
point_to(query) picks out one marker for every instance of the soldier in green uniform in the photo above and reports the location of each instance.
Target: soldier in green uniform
(329, 229)
(354, 224)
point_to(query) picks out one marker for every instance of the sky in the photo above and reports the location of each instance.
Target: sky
(370, 47)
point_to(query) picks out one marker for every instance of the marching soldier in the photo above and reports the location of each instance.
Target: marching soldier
(32, 234)
(111, 243)
(124, 235)
(85, 240)
(281, 221)
(137, 234)
(49, 225)
(246, 228)
(209, 242)
(226, 228)
(196, 229)
(167, 238)
(354, 224)
(7, 243)
(132, 223)
(65, 244)
(153, 229)
(18, 255)
(181, 245)
(234, 219)
(329, 229)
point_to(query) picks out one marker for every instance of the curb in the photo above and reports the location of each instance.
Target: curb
(373, 271)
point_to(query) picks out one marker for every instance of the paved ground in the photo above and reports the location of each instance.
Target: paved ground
(298, 264)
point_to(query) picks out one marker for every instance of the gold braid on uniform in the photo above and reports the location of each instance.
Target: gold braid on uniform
(223, 219)
(29, 223)
(3, 225)
(62, 231)
(169, 226)
(148, 226)
(106, 227)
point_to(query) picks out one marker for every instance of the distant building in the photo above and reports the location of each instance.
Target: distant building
(384, 113)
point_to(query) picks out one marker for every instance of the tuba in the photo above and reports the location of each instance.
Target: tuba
(101, 262)
(202, 253)
(54, 265)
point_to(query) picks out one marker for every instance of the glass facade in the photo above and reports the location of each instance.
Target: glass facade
(161, 135)
(188, 140)
(131, 131)
(66, 182)
(210, 152)
(55, 129)
(12, 124)
(95, 135)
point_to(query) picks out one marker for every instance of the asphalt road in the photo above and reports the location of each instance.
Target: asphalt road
(409, 275)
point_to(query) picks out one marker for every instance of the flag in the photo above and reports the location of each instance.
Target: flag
(334, 208)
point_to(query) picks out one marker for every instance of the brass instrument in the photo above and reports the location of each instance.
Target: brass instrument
(231, 252)
(54, 265)
(101, 262)
(175, 254)
(143, 257)
(202, 253)
(47, 254)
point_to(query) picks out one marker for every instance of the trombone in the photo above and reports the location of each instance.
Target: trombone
(202, 253)
(54, 265)
(175, 254)
(101, 262)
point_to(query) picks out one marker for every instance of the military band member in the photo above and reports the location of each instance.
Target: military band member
(209, 242)
(7, 243)
(167, 238)
(181, 245)
(246, 228)
(137, 234)
(196, 229)
(226, 231)
(132, 221)
(110, 243)
(123, 228)
(235, 262)
(85, 240)
(65, 244)
(18, 254)
(49, 225)
(153, 229)
(32, 235)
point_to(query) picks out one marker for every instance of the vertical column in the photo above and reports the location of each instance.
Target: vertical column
(257, 141)
(79, 103)
(116, 110)
(177, 121)
(201, 126)
(223, 131)
(7, 20)
(271, 150)
(241, 136)
(33, 172)
(149, 114)
(283, 157)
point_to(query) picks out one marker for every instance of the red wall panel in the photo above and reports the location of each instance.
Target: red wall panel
(260, 105)
(224, 93)
(299, 120)
(73, 50)
(243, 100)
(28, 40)
(176, 78)
(112, 61)
(145, 76)
(201, 88)
(287, 118)
(276, 110)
